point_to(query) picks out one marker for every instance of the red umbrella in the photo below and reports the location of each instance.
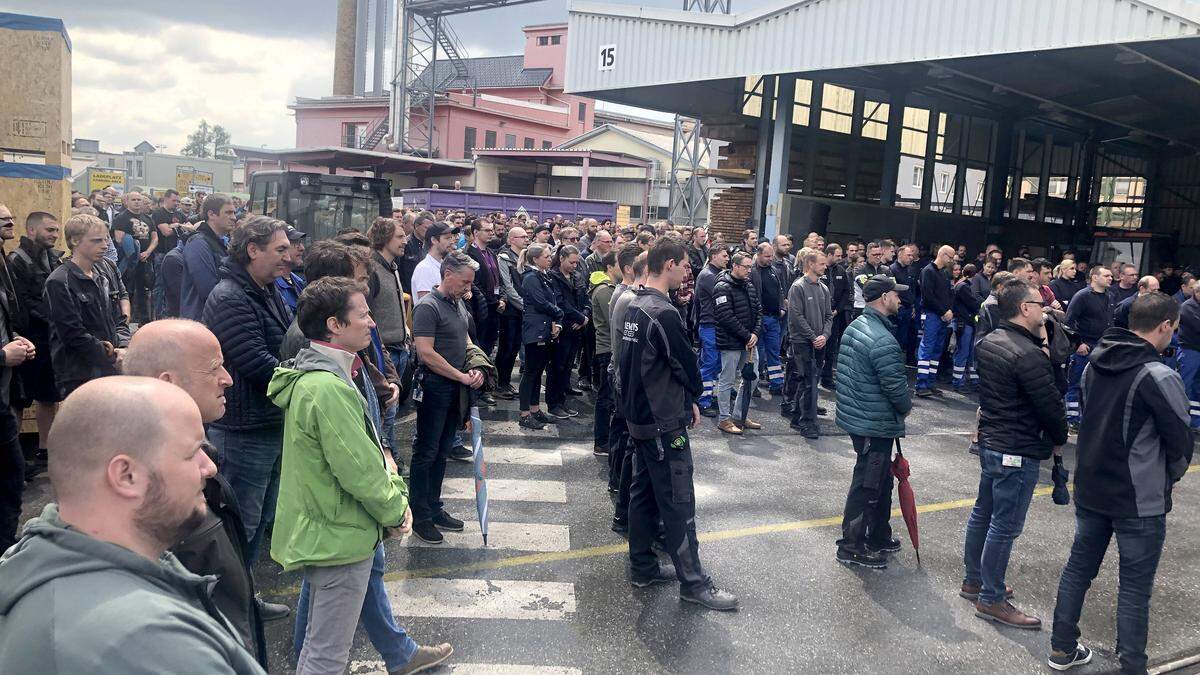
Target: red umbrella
(908, 501)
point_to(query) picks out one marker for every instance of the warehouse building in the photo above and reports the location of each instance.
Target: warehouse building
(1052, 124)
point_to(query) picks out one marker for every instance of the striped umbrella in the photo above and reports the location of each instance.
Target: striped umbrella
(481, 495)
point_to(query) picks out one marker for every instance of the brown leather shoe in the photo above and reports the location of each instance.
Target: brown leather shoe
(747, 424)
(971, 592)
(1005, 613)
(730, 427)
(425, 658)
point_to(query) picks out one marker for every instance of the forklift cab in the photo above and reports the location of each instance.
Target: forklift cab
(1143, 250)
(320, 205)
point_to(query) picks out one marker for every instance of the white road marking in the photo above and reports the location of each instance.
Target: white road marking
(482, 599)
(511, 455)
(504, 536)
(500, 489)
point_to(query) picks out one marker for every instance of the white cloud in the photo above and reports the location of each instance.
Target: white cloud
(157, 86)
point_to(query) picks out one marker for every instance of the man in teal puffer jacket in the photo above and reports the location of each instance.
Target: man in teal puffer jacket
(872, 400)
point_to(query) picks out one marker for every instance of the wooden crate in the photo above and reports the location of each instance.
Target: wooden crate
(24, 195)
(35, 111)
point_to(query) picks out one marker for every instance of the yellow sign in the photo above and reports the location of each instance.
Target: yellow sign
(189, 180)
(622, 215)
(98, 179)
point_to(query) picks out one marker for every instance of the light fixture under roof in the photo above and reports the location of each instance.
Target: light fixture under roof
(1128, 57)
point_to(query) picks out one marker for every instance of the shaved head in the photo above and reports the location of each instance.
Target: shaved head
(128, 463)
(186, 354)
(107, 417)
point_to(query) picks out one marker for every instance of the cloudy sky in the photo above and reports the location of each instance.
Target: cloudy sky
(150, 70)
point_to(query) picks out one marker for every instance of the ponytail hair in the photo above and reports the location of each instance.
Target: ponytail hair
(564, 251)
(532, 252)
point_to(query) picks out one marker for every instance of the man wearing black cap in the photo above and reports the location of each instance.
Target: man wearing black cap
(872, 401)
(291, 285)
(439, 239)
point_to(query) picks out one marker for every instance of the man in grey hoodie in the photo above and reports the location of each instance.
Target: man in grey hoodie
(91, 587)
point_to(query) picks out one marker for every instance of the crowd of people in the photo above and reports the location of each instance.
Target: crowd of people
(264, 374)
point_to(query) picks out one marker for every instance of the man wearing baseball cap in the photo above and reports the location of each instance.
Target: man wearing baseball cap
(292, 285)
(872, 401)
(439, 239)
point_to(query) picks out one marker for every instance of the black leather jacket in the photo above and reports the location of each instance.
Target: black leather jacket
(1020, 409)
(737, 311)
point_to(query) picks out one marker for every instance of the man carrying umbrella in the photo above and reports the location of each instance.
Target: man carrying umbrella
(872, 401)
(1021, 420)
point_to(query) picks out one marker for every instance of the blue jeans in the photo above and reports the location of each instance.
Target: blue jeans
(1074, 372)
(769, 342)
(1140, 544)
(997, 520)
(710, 365)
(964, 358)
(390, 640)
(1189, 369)
(249, 460)
(399, 357)
(930, 352)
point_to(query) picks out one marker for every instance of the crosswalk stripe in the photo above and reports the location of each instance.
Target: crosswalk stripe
(526, 455)
(378, 668)
(508, 490)
(482, 599)
(505, 537)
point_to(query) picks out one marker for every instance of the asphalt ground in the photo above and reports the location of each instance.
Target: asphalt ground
(551, 592)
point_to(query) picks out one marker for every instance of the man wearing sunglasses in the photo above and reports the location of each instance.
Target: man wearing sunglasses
(1022, 422)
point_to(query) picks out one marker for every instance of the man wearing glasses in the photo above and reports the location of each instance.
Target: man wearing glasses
(1022, 422)
(737, 311)
(488, 280)
(510, 309)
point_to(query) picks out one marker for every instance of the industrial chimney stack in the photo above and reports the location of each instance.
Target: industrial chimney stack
(345, 47)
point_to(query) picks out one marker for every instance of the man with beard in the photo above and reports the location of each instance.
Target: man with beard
(91, 586)
(187, 355)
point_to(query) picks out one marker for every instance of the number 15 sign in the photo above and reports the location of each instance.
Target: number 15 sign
(608, 57)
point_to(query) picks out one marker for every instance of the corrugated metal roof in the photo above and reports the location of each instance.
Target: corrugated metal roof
(491, 72)
(656, 46)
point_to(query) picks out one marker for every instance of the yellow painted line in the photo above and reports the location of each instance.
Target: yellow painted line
(623, 547)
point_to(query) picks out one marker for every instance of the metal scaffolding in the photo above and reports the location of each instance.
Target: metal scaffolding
(421, 31)
(689, 151)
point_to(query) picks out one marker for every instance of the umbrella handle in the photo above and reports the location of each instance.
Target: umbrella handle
(899, 450)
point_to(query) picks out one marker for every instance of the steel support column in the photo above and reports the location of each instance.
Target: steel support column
(781, 150)
(1044, 177)
(583, 177)
(998, 178)
(763, 153)
(688, 153)
(891, 148)
(929, 173)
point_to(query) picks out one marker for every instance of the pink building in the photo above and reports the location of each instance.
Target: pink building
(517, 102)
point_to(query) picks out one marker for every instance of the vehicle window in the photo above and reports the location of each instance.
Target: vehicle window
(324, 214)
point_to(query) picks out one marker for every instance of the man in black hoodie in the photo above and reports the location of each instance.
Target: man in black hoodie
(1134, 444)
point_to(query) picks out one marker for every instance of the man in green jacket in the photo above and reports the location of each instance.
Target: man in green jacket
(337, 498)
(603, 283)
(872, 401)
(91, 587)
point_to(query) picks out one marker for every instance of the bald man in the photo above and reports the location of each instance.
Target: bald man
(937, 303)
(1145, 285)
(186, 354)
(91, 587)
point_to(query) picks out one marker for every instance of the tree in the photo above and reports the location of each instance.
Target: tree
(208, 141)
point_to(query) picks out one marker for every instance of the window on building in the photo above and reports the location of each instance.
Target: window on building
(635, 211)
(875, 118)
(918, 176)
(555, 39)
(139, 173)
(543, 41)
(468, 141)
(582, 112)
(489, 139)
(752, 98)
(112, 162)
(528, 143)
(351, 132)
(546, 145)
(129, 168)
(510, 140)
(1120, 202)
(837, 108)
